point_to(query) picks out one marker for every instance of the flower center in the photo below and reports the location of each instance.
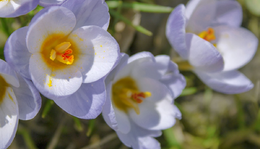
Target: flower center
(62, 53)
(3, 87)
(125, 95)
(208, 35)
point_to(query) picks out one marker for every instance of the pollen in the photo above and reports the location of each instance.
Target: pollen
(208, 35)
(126, 95)
(62, 53)
(50, 83)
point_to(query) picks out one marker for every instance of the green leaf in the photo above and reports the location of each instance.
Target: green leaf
(91, 126)
(47, 107)
(140, 7)
(77, 124)
(189, 91)
(253, 6)
(128, 22)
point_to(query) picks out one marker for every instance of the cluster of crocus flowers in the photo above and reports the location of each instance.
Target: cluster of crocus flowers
(140, 95)
(208, 37)
(15, 8)
(68, 56)
(19, 99)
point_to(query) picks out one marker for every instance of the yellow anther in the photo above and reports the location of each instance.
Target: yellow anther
(208, 35)
(62, 53)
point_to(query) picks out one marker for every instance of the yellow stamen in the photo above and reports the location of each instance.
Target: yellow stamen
(126, 95)
(208, 35)
(62, 53)
(3, 88)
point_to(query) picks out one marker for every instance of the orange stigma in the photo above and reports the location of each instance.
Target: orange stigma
(62, 53)
(208, 35)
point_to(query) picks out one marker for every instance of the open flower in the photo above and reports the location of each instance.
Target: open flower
(67, 53)
(207, 34)
(140, 96)
(19, 99)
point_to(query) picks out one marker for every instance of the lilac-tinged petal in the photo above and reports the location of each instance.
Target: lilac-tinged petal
(155, 116)
(230, 82)
(89, 12)
(115, 118)
(53, 20)
(175, 31)
(100, 48)
(46, 3)
(139, 138)
(158, 90)
(87, 102)
(134, 61)
(229, 12)
(54, 83)
(28, 98)
(190, 7)
(147, 69)
(8, 74)
(171, 76)
(141, 55)
(11, 8)
(203, 55)
(16, 52)
(108, 112)
(202, 16)
(236, 45)
(8, 118)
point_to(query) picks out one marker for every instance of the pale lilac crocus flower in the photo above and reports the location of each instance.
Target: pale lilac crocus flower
(19, 99)
(140, 98)
(15, 8)
(66, 52)
(207, 34)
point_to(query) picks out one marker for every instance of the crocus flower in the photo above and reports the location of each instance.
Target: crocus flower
(140, 96)
(19, 99)
(207, 35)
(66, 52)
(46, 3)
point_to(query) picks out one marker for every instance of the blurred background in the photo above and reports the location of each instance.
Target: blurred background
(210, 120)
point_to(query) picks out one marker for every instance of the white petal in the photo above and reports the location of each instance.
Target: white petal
(54, 83)
(155, 116)
(101, 51)
(230, 82)
(28, 98)
(203, 55)
(51, 20)
(8, 74)
(123, 122)
(8, 118)
(236, 45)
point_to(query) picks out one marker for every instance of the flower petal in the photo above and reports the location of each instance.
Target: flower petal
(100, 49)
(236, 45)
(11, 8)
(155, 116)
(175, 31)
(52, 20)
(46, 3)
(139, 138)
(8, 74)
(89, 12)
(230, 82)
(202, 15)
(54, 83)
(16, 52)
(203, 55)
(87, 102)
(28, 98)
(171, 76)
(229, 12)
(8, 118)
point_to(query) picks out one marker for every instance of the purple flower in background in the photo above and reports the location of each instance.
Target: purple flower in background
(207, 34)
(46, 3)
(140, 95)
(19, 99)
(15, 8)
(66, 52)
